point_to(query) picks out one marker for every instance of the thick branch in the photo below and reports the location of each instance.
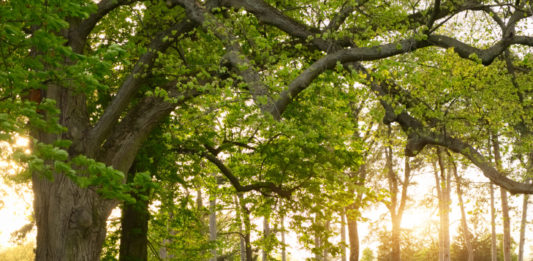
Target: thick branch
(122, 146)
(133, 82)
(104, 7)
(420, 137)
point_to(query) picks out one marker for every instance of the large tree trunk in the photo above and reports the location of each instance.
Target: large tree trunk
(134, 232)
(71, 222)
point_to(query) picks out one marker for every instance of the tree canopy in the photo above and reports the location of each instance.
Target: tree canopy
(271, 106)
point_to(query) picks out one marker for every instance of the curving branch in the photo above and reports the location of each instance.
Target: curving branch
(104, 7)
(127, 137)
(418, 134)
(133, 82)
(257, 186)
(434, 14)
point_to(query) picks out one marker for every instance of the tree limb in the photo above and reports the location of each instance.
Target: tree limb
(132, 83)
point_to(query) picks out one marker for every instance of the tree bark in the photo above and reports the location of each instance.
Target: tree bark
(71, 222)
(353, 234)
(134, 232)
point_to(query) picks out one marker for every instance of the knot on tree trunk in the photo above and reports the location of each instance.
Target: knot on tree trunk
(81, 218)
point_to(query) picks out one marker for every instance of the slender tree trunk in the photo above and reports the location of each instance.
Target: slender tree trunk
(395, 237)
(163, 251)
(523, 228)
(493, 245)
(505, 204)
(213, 226)
(353, 234)
(393, 188)
(247, 228)
(397, 205)
(443, 192)
(134, 232)
(343, 236)
(325, 255)
(318, 244)
(466, 232)
(506, 226)
(283, 243)
(238, 214)
(266, 234)
(199, 200)
(523, 222)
